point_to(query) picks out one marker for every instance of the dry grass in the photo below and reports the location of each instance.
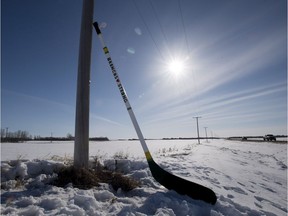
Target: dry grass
(88, 178)
(80, 178)
(123, 182)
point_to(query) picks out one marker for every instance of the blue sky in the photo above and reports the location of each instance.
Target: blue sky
(234, 55)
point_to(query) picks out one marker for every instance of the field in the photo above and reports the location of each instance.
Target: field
(249, 178)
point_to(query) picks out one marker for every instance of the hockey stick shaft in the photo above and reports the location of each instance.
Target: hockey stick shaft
(123, 94)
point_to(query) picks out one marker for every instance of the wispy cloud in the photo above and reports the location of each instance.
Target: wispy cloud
(230, 105)
(236, 97)
(94, 116)
(35, 100)
(43, 110)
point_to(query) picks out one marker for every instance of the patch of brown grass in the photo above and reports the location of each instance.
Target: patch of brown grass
(80, 178)
(123, 182)
(88, 178)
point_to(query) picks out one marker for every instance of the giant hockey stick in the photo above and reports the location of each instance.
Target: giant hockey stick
(168, 180)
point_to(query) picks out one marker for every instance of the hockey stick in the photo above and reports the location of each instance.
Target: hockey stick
(165, 178)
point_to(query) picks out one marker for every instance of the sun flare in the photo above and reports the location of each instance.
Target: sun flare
(176, 67)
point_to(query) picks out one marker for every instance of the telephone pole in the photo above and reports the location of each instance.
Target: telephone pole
(81, 145)
(206, 133)
(197, 117)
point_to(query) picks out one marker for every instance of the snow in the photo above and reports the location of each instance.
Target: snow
(249, 178)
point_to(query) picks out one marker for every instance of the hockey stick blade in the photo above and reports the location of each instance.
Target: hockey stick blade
(180, 185)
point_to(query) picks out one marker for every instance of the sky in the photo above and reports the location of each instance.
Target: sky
(232, 55)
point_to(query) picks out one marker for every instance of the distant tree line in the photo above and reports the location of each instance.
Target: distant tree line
(22, 136)
(99, 139)
(18, 136)
(188, 138)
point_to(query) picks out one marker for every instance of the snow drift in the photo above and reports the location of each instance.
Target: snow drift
(248, 178)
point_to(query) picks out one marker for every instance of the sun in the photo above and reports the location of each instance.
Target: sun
(176, 67)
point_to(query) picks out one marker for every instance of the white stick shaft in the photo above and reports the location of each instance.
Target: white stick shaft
(123, 93)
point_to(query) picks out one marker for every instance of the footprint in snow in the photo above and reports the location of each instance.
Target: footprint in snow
(258, 205)
(236, 189)
(267, 188)
(230, 196)
(279, 183)
(282, 165)
(276, 205)
(241, 184)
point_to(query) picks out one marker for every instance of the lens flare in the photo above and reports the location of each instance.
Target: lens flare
(176, 67)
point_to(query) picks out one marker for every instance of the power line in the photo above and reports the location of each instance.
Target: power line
(161, 27)
(158, 20)
(189, 51)
(147, 28)
(184, 29)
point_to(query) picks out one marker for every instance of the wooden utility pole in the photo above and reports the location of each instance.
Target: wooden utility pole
(206, 133)
(81, 145)
(197, 117)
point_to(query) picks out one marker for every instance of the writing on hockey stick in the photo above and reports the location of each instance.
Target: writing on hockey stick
(122, 91)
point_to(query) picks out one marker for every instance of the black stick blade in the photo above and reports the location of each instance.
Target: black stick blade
(181, 186)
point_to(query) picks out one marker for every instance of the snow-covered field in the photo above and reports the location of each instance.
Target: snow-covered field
(249, 178)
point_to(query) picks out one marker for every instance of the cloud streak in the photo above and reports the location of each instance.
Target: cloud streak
(94, 116)
(232, 105)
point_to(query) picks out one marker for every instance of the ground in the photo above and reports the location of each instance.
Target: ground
(249, 178)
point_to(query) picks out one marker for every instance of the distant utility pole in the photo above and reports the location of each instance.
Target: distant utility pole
(197, 117)
(206, 133)
(81, 145)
